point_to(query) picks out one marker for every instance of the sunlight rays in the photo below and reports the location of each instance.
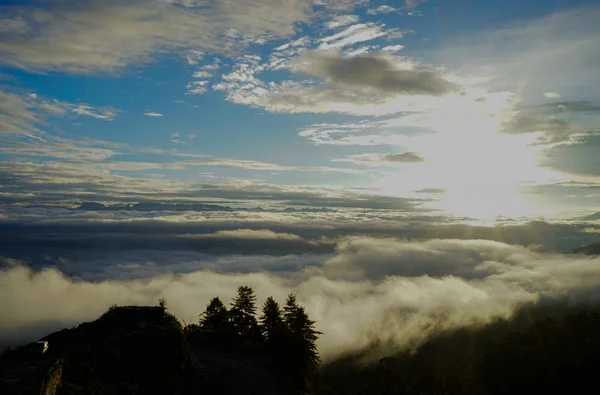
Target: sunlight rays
(482, 169)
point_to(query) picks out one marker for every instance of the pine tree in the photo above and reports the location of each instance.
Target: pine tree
(215, 317)
(303, 356)
(304, 328)
(271, 320)
(290, 308)
(243, 314)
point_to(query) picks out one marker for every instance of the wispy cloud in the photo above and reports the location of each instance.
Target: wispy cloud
(341, 20)
(382, 9)
(63, 180)
(89, 37)
(552, 95)
(382, 159)
(194, 56)
(413, 3)
(197, 87)
(355, 34)
(264, 166)
(392, 48)
(175, 138)
(153, 114)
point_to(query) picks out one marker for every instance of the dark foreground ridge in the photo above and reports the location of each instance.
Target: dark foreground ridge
(128, 350)
(546, 349)
(145, 350)
(549, 349)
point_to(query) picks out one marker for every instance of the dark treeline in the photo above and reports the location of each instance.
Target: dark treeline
(285, 338)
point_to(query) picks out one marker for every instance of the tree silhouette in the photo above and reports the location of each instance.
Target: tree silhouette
(303, 327)
(162, 302)
(215, 317)
(303, 357)
(290, 308)
(286, 336)
(271, 320)
(243, 315)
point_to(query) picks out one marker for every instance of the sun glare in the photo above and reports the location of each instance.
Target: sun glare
(482, 169)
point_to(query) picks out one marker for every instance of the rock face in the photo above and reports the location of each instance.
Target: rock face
(53, 379)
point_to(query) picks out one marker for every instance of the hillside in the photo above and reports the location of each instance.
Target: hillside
(145, 350)
(593, 217)
(591, 249)
(128, 350)
(547, 348)
(531, 354)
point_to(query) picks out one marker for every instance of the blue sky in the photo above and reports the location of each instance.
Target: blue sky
(491, 104)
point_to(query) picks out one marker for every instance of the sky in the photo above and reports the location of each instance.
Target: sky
(478, 109)
(306, 144)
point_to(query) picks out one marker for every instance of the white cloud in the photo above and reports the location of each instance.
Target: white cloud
(392, 48)
(197, 87)
(341, 20)
(370, 290)
(202, 74)
(360, 85)
(16, 25)
(21, 115)
(16, 114)
(191, 136)
(552, 95)
(194, 56)
(57, 148)
(248, 234)
(263, 166)
(382, 159)
(357, 33)
(175, 137)
(108, 35)
(382, 9)
(153, 114)
(107, 114)
(340, 4)
(359, 51)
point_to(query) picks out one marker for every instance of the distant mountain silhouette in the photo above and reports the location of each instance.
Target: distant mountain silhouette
(152, 206)
(155, 206)
(591, 249)
(593, 217)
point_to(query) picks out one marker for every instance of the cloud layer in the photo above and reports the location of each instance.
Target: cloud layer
(370, 290)
(108, 35)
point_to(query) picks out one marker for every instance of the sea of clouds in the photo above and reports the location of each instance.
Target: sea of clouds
(62, 268)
